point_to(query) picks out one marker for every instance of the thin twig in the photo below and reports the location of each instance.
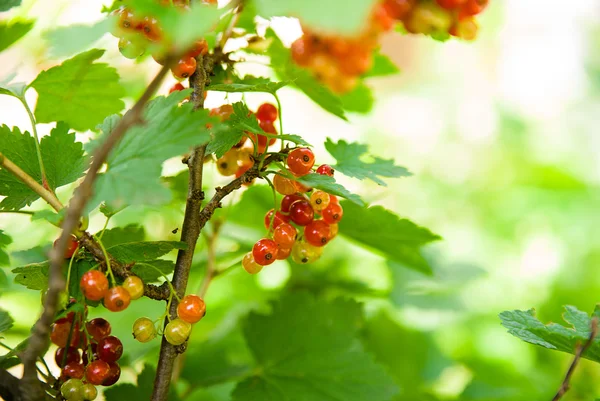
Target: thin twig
(39, 338)
(564, 387)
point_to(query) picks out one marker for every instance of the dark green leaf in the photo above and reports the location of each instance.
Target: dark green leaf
(225, 136)
(250, 84)
(526, 326)
(382, 66)
(306, 349)
(12, 31)
(359, 100)
(328, 184)
(143, 390)
(6, 5)
(121, 235)
(33, 276)
(380, 229)
(143, 251)
(80, 92)
(153, 270)
(63, 156)
(348, 156)
(66, 41)
(6, 321)
(5, 240)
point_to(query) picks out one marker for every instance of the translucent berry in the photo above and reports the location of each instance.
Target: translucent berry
(266, 112)
(151, 29)
(301, 188)
(72, 356)
(301, 52)
(89, 392)
(177, 331)
(131, 48)
(428, 18)
(465, 29)
(264, 251)
(269, 128)
(97, 371)
(333, 228)
(134, 286)
(333, 199)
(319, 200)
(114, 374)
(110, 349)
(126, 22)
(94, 285)
(317, 233)
(72, 389)
(199, 48)
(72, 245)
(472, 7)
(185, 67)
(73, 370)
(191, 308)
(333, 213)
(284, 185)
(59, 334)
(399, 9)
(117, 299)
(98, 328)
(250, 265)
(451, 4)
(283, 253)
(177, 87)
(144, 330)
(287, 201)
(301, 212)
(303, 252)
(284, 235)
(228, 163)
(325, 169)
(277, 220)
(300, 161)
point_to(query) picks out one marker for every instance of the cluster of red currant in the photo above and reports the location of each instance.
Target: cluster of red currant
(190, 310)
(135, 33)
(238, 159)
(338, 62)
(298, 213)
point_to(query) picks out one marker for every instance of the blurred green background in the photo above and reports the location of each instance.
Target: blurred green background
(502, 136)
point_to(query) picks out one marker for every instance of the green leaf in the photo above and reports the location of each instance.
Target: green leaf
(328, 184)
(5, 240)
(122, 235)
(153, 270)
(63, 156)
(33, 276)
(526, 326)
(134, 166)
(380, 229)
(66, 41)
(333, 16)
(225, 136)
(306, 349)
(285, 68)
(143, 390)
(359, 100)
(12, 31)
(50, 216)
(79, 92)
(15, 89)
(6, 322)
(143, 251)
(382, 66)
(250, 84)
(6, 5)
(78, 269)
(109, 210)
(348, 156)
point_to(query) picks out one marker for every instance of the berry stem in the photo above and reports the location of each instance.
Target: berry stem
(275, 206)
(38, 150)
(107, 260)
(69, 271)
(104, 228)
(280, 119)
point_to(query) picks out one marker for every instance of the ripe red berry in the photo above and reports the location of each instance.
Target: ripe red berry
(269, 128)
(383, 18)
(177, 87)
(284, 185)
(98, 328)
(277, 220)
(264, 251)
(300, 161)
(185, 67)
(126, 21)
(134, 286)
(333, 199)
(399, 9)
(117, 299)
(287, 201)
(302, 51)
(266, 112)
(151, 29)
(113, 374)
(472, 7)
(283, 253)
(285, 235)
(85, 358)
(97, 371)
(94, 285)
(301, 212)
(110, 349)
(450, 4)
(72, 245)
(317, 233)
(191, 308)
(72, 356)
(333, 213)
(199, 48)
(73, 370)
(59, 334)
(325, 169)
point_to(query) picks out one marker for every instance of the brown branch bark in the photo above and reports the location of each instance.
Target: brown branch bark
(564, 387)
(30, 384)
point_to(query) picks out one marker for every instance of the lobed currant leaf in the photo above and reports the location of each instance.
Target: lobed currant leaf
(79, 91)
(33, 276)
(250, 84)
(66, 41)
(122, 235)
(12, 31)
(149, 271)
(143, 250)
(359, 100)
(50, 216)
(348, 156)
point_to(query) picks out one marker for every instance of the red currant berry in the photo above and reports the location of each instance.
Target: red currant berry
(85, 358)
(465, 29)
(89, 392)
(399, 9)
(285, 235)
(134, 286)
(250, 265)
(383, 18)
(317, 233)
(334, 228)
(96, 372)
(333, 199)
(144, 330)
(177, 331)
(98, 328)
(199, 48)
(277, 220)
(72, 245)
(301, 187)
(300, 161)
(319, 200)
(59, 334)
(472, 7)
(73, 370)
(184, 68)
(125, 21)
(94, 285)
(269, 128)
(287, 201)
(177, 87)
(110, 349)
(117, 299)
(333, 213)
(191, 308)
(302, 52)
(283, 253)
(451, 4)
(113, 374)
(264, 251)
(301, 212)
(72, 356)
(284, 185)
(266, 112)
(151, 29)
(325, 169)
